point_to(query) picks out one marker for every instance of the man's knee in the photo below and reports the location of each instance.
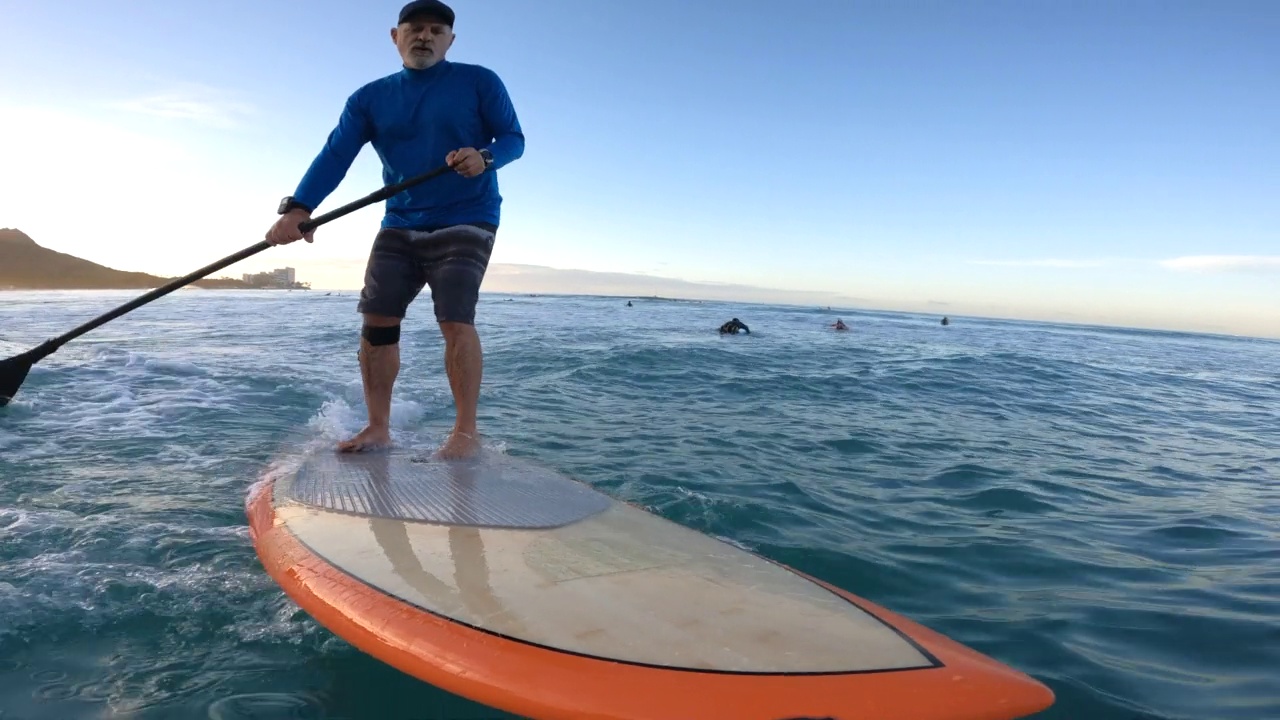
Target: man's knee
(380, 330)
(453, 331)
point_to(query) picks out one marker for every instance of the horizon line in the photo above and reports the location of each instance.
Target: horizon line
(1091, 325)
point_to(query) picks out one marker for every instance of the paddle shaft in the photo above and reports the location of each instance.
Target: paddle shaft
(49, 346)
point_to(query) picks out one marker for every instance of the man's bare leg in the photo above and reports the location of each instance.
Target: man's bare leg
(464, 363)
(379, 365)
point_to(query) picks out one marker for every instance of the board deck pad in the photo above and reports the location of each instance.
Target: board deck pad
(404, 485)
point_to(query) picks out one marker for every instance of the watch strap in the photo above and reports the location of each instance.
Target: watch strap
(289, 203)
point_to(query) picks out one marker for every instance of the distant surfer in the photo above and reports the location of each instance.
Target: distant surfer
(839, 325)
(733, 327)
(439, 234)
(945, 321)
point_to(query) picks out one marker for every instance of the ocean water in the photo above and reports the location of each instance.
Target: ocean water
(1095, 507)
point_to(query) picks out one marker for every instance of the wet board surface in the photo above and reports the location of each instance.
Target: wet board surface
(405, 486)
(507, 582)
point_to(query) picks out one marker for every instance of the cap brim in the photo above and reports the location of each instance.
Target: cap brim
(427, 14)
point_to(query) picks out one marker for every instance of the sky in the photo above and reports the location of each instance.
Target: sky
(1085, 161)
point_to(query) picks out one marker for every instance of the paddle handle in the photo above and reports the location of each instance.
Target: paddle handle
(49, 346)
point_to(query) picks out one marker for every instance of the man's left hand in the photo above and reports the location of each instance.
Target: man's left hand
(466, 161)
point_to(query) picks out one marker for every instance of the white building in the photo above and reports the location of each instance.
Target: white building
(284, 277)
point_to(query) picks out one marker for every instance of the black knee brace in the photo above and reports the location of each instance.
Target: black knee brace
(381, 335)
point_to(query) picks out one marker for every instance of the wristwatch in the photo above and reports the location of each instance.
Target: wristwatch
(288, 203)
(488, 157)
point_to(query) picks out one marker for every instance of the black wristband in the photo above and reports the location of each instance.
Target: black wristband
(288, 203)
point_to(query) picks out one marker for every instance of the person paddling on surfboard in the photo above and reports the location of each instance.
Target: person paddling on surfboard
(733, 327)
(439, 235)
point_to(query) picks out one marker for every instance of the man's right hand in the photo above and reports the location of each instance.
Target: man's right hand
(285, 230)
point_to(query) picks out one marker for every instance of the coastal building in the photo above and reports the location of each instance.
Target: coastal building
(279, 278)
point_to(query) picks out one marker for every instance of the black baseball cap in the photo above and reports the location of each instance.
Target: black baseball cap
(436, 9)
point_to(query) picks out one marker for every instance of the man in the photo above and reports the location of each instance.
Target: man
(439, 234)
(733, 327)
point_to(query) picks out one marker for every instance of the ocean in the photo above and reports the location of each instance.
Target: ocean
(1096, 507)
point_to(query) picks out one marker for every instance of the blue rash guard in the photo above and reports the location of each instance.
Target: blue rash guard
(414, 118)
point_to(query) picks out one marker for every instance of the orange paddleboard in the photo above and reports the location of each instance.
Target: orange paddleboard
(505, 582)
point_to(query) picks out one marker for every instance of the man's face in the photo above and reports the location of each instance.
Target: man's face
(422, 42)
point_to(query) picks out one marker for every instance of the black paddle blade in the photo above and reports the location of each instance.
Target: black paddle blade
(12, 372)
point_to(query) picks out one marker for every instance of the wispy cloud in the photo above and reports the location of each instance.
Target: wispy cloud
(516, 278)
(1186, 263)
(1223, 263)
(193, 103)
(1045, 262)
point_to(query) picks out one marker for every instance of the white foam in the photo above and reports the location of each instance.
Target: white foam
(172, 367)
(338, 419)
(406, 413)
(335, 419)
(15, 448)
(13, 518)
(736, 543)
(115, 394)
(16, 520)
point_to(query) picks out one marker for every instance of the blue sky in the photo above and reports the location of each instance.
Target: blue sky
(1084, 161)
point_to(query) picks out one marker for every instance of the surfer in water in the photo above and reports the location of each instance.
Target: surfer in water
(839, 325)
(733, 327)
(437, 235)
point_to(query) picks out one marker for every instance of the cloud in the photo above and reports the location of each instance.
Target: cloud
(517, 278)
(1046, 262)
(195, 103)
(1186, 263)
(1223, 263)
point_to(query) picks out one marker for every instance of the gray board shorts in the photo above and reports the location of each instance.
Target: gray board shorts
(451, 260)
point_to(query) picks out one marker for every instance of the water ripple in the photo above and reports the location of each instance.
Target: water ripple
(1093, 506)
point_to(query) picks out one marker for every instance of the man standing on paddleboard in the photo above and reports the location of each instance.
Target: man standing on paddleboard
(439, 234)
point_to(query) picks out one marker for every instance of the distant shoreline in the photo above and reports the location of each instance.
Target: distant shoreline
(25, 265)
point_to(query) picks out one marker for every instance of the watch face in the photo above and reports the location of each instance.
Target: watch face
(284, 206)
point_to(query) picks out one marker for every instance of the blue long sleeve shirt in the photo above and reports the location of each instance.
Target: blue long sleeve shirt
(413, 119)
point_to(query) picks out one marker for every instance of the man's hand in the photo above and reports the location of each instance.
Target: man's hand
(466, 161)
(285, 230)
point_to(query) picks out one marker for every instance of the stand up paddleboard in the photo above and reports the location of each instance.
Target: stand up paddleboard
(505, 582)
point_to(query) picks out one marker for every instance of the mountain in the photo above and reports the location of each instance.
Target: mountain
(25, 265)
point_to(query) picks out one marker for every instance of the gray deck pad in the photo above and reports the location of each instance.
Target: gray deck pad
(493, 491)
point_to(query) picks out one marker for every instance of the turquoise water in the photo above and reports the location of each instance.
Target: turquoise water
(1094, 507)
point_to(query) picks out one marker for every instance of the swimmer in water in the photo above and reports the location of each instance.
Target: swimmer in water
(839, 325)
(733, 327)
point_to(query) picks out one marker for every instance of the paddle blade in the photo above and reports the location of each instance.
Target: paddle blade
(12, 372)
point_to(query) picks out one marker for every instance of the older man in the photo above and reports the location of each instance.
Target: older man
(439, 234)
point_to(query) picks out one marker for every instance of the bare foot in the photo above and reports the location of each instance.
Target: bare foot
(459, 446)
(370, 438)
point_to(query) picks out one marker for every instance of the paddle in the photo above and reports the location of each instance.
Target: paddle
(14, 370)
